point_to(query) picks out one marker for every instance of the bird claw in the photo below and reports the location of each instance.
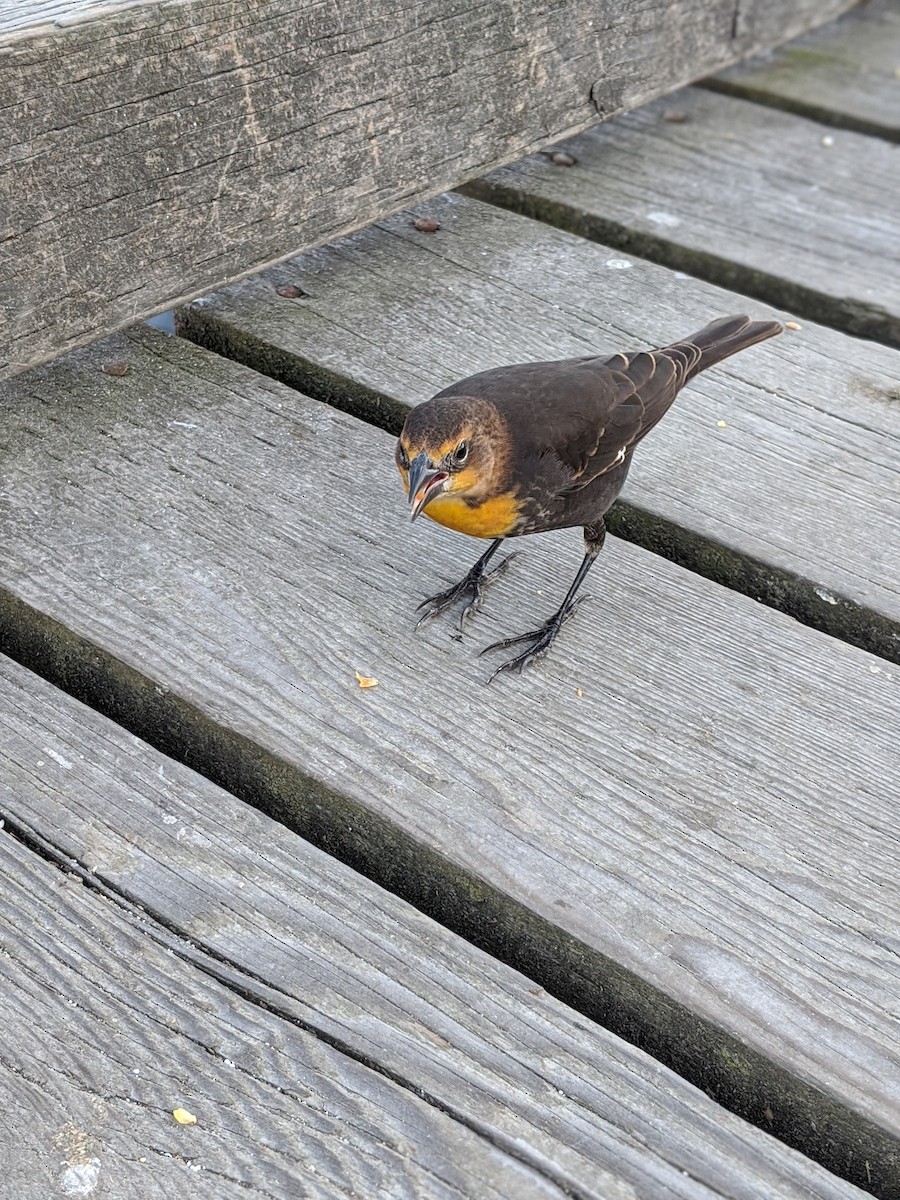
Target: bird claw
(542, 639)
(521, 661)
(474, 584)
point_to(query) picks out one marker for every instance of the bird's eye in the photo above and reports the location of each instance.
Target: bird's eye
(402, 457)
(461, 453)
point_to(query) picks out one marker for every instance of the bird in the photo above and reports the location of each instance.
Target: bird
(533, 447)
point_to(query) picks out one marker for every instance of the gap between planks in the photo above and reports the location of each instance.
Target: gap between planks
(846, 74)
(760, 201)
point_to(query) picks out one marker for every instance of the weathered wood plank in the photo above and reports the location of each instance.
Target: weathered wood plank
(153, 151)
(323, 947)
(773, 503)
(701, 848)
(744, 195)
(846, 75)
(106, 1030)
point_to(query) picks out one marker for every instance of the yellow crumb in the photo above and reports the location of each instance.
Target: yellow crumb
(366, 681)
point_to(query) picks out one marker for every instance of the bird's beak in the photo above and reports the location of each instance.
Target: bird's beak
(425, 482)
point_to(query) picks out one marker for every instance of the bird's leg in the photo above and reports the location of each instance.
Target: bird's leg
(473, 584)
(543, 638)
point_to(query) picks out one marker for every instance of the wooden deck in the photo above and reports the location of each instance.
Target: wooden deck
(781, 209)
(184, 950)
(596, 932)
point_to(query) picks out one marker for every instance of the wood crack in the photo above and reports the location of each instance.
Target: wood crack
(264, 994)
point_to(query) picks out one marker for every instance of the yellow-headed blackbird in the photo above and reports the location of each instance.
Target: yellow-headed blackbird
(545, 445)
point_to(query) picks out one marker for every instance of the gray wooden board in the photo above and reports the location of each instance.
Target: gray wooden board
(745, 195)
(701, 848)
(847, 74)
(282, 923)
(796, 500)
(152, 151)
(106, 1033)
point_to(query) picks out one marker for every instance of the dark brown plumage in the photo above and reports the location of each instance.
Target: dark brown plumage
(547, 445)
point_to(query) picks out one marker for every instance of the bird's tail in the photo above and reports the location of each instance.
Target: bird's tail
(726, 336)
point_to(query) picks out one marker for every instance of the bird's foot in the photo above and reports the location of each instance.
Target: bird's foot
(473, 585)
(541, 640)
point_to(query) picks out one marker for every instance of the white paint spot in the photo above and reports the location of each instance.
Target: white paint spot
(825, 595)
(81, 1179)
(669, 220)
(63, 762)
(168, 818)
(618, 264)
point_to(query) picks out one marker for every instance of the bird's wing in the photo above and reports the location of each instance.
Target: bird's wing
(632, 393)
(635, 391)
(588, 413)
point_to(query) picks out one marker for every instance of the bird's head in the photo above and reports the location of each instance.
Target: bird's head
(450, 445)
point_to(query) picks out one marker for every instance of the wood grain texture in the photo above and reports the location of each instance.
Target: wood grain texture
(106, 1030)
(701, 849)
(153, 151)
(773, 503)
(845, 75)
(738, 193)
(279, 922)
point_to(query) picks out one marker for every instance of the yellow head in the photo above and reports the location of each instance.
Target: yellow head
(451, 456)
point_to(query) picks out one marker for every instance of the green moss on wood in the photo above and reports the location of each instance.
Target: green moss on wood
(202, 327)
(803, 599)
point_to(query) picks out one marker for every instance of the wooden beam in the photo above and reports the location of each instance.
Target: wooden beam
(155, 151)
